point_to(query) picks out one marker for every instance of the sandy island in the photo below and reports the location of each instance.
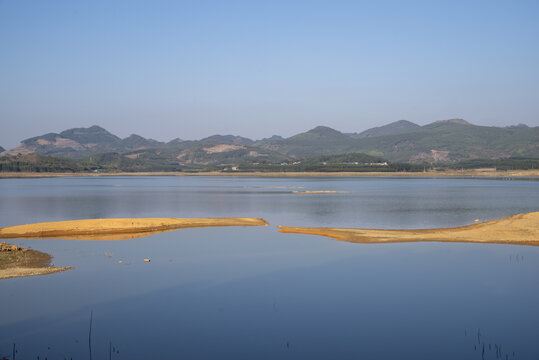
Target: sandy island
(521, 229)
(16, 262)
(319, 192)
(114, 229)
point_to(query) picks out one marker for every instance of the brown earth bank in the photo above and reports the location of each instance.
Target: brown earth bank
(117, 229)
(452, 173)
(16, 261)
(521, 229)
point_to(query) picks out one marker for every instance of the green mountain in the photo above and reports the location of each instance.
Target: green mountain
(453, 140)
(396, 127)
(92, 135)
(144, 160)
(321, 140)
(446, 141)
(136, 142)
(273, 137)
(196, 157)
(219, 154)
(227, 139)
(438, 142)
(189, 156)
(80, 142)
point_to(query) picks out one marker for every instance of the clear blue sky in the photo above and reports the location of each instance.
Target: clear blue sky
(189, 69)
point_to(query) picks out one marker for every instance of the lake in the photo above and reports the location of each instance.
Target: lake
(255, 293)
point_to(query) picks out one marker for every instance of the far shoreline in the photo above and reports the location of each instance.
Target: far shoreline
(485, 173)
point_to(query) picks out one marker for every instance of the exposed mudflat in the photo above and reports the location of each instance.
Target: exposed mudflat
(521, 229)
(117, 229)
(319, 192)
(17, 262)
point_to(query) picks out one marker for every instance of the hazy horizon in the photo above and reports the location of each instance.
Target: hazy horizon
(170, 69)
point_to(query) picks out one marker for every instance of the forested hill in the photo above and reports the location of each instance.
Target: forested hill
(445, 141)
(441, 142)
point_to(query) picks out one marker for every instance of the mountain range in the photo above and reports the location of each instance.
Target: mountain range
(443, 141)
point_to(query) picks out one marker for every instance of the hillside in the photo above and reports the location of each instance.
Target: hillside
(92, 135)
(321, 140)
(452, 141)
(80, 142)
(396, 127)
(438, 142)
(228, 140)
(136, 142)
(443, 141)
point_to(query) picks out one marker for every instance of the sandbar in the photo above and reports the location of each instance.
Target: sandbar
(118, 229)
(520, 229)
(319, 192)
(283, 187)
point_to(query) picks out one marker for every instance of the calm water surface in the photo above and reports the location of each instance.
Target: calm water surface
(254, 293)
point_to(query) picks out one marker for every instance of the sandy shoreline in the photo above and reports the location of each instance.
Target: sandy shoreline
(25, 262)
(456, 173)
(115, 229)
(521, 229)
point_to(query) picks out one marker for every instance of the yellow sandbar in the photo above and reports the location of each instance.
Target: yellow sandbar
(319, 192)
(116, 229)
(521, 229)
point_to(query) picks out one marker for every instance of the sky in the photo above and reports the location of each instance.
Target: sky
(190, 69)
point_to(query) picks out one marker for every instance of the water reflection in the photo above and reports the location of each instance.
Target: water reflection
(370, 202)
